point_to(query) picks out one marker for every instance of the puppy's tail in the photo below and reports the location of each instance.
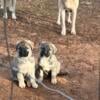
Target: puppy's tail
(63, 73)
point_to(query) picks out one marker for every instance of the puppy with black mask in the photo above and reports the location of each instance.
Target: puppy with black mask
(23, 65)
(48, 61)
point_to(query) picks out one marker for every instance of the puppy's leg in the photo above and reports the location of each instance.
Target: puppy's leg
(58, 68)
(69, 18)
(73, 30)
(53, 77)
(21, 80)
(59, 13)
(63, 32)
(41, 75)
(33, 80)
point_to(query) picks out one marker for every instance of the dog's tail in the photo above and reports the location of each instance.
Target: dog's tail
(63, 73)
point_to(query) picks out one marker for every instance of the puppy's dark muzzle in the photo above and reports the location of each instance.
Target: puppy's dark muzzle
(44, 52)
(23, 52)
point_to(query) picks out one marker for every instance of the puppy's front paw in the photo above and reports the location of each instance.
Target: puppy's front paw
(22, 85)
(35, 85)
(54, 81)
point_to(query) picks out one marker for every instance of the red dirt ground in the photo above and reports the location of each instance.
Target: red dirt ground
(80, 54)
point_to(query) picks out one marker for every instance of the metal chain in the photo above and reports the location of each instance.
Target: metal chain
(55, 90)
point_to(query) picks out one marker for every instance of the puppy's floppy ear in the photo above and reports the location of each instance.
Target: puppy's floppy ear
(30, 43)
(41, 44)
(17, 44)
(53, 47)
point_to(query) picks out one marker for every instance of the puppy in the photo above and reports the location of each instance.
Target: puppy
(48, 61)
(11, 5)
(70, 6)
(23, 64)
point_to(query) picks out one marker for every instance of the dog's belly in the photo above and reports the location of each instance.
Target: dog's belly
(8, 3)
(71, 4)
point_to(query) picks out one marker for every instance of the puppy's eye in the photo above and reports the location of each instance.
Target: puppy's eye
(17, 47)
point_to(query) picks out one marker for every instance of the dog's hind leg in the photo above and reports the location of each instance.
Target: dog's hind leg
(69, 17)
(59, 13)
(73, 29)
(12, 8)
(10, 3)
(5, 14)
(63, 24)
(2, 4)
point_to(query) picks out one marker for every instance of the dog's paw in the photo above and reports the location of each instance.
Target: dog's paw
(13, 16)
(1, 7)
(63, 32)
(73, 32)
(54, 81)
(35, 85)
(5, 16)
(22, 85)
(58, 22)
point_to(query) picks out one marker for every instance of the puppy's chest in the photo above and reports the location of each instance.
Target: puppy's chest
(47, 64)
(25, 66)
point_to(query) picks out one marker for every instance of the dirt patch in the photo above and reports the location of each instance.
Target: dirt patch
(80, 54)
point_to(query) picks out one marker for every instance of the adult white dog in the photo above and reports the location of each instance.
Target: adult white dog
(11, 5)
(70, 6)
